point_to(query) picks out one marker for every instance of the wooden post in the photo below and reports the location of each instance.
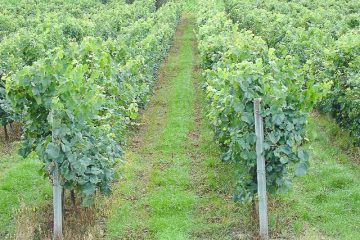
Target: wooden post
(73, 198)
(6, 133)
(261, 177)
(63, 201)
(57, 199)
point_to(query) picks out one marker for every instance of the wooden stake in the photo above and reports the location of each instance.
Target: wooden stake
(261, 177)
(73, 198)
(57, 197)
(6, 133)
(57, 202)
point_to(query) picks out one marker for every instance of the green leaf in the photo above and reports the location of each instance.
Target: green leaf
(303, 155)
(274, 137)
(284, 160)
(94, 179)
(278, 118)
(239, 107)
(53, 151)
(301, 169)
(69, 175)
(88, 189)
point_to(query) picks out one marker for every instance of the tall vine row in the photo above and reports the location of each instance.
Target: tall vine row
(239, 67)
(323, 35)
(78, 99)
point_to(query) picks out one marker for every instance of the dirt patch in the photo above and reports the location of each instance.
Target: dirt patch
(14, 132)
(79, 223)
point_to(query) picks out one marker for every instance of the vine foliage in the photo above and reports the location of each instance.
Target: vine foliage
(239, 67)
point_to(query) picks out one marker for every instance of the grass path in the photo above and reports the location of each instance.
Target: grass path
(325, 203)
(173, 186)
(21, 187)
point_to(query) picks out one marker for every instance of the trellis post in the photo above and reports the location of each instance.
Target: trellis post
(57, 196)
(260, 164)
(57, 202)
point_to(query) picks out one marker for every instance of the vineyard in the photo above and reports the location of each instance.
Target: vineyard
(197, 119)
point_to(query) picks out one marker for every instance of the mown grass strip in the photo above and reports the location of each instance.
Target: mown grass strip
(155, 200)
(324, 204)
(21, 186)
(171, 202)
(174, 185)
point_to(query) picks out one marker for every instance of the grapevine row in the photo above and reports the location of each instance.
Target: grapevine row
(28, 44)
(30, 14)
(324, 35)
(239, 67)
(78, 99)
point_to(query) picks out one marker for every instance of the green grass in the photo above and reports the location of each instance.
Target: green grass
(20, 187)
(8, 156)
(174, 186)
(168, 200)
(171, 204)
(325, 202)
(189, 5)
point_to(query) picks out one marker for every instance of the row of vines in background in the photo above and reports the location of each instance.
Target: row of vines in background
(324, 35)
(56, 27)
(15, 15)
(239, 67)
(158, 3)
(76, 96)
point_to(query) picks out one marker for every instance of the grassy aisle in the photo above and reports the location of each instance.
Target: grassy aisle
(325, 203)
(21, 187)
(173, 187)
